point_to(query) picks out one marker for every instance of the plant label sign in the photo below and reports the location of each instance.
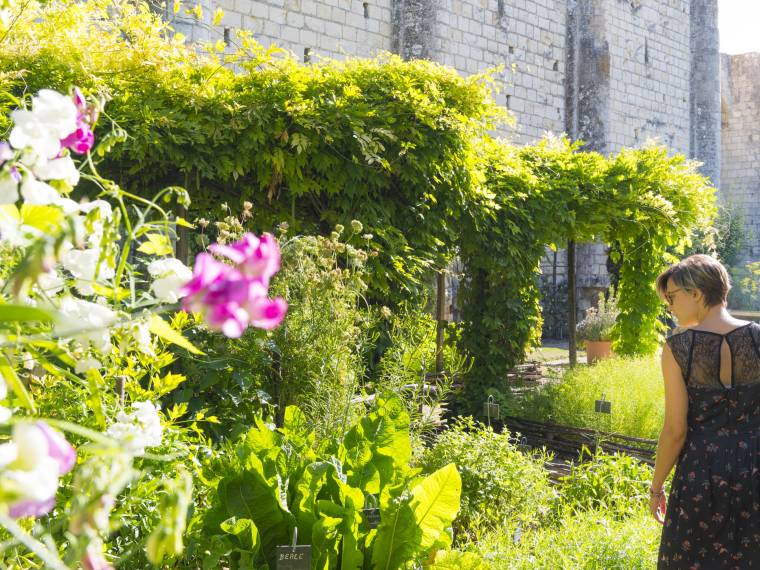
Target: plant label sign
(294, 557)
(603, 406)
(372, 516)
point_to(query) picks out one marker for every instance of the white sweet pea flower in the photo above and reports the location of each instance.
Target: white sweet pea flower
(30, 131)
(50, 282)
(12, 230)
(139, 429)
(56, 111)
(38, 193)
(82, 264)
(53, 117)
(106, 211)
(87, 322)
(8, 187)
(95, 231)
(82, 366)
(62, 168)
(170, 274)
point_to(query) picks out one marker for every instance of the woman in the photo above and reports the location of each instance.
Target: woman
(712, 426)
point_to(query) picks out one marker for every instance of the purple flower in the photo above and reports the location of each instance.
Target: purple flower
(266, 313)
(254, 257)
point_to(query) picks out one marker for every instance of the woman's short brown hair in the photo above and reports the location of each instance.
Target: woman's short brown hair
(700, 272)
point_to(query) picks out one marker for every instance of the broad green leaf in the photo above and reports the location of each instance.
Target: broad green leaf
(252, 496)
(157, 244)
(409, 529)
(15, 384)
(162, 329)
(24, 313)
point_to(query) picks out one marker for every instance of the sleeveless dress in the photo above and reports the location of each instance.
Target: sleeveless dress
(713, 515)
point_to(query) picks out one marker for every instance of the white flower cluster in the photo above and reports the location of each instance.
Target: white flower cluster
(139, 429)
(38, 133)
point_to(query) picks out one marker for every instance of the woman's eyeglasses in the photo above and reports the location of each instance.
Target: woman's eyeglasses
(669, 295)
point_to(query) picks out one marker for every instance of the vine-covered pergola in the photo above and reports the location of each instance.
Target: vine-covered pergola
(644, 202)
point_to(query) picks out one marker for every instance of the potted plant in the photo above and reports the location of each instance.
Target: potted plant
(596, 329)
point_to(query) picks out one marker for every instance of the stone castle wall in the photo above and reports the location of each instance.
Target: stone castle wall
(740, 172)
(613, 73)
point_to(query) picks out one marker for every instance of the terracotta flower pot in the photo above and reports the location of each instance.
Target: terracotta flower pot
(598, 350)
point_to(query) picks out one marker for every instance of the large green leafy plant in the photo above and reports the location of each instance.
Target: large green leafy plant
(276, 484)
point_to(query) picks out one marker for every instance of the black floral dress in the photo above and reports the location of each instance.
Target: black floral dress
(713, 515)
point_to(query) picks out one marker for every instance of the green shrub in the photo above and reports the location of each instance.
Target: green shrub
(617, 484)
(633, 385)
(500, 484)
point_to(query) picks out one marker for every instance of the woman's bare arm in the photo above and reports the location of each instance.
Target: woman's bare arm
(674, 428)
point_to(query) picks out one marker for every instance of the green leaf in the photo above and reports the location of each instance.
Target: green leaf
(15, 384)
(245, 531)
(162, 329)
(157, 244)
(24, 313)
(252, 496)
(409, 529)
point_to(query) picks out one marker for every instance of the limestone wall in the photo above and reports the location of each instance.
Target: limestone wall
(740, 176)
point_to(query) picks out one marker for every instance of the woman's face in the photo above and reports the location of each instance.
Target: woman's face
(683, 304)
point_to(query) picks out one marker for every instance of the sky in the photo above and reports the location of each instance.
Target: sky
(738, 21)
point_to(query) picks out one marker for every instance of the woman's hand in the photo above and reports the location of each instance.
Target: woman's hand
(657, 505)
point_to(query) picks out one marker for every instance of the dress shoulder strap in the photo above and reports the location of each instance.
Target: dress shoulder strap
(681, 345)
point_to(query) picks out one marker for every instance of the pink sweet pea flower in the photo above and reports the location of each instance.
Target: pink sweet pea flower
(58, 448)
(81, 140)
(206, 271)
(31, 508)
(267, 313)
(232, 298)
(254, 257)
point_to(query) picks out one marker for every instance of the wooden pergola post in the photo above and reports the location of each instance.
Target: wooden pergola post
(441, 318)
(571, 311)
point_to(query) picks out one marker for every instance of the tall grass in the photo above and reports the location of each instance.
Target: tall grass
(634, 386)
(592, 540)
